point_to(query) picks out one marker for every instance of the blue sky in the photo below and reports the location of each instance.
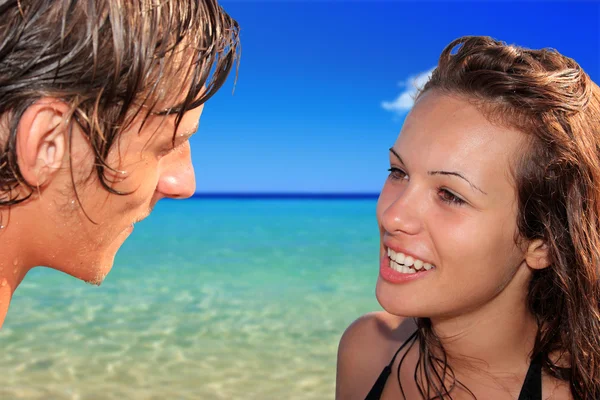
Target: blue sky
(309, 109)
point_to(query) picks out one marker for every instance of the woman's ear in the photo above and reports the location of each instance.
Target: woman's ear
(41, 140)
(536, 255)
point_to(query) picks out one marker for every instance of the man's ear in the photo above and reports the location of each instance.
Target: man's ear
(41, 140)
(536, 255)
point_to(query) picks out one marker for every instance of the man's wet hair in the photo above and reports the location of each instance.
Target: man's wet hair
(112, 62)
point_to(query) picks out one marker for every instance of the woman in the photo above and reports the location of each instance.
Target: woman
(490, 237)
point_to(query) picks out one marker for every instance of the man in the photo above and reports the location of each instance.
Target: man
(97, 102)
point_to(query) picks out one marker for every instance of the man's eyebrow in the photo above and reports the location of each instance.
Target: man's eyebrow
(179, 138)
(188, 133)
(450, 173)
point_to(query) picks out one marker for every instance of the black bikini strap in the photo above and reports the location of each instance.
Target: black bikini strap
(532, 387)
(406, 342)
(377, 389)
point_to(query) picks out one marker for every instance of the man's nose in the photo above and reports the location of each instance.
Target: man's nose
(177, 179)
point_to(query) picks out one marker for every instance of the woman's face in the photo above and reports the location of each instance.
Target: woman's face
(447, 213)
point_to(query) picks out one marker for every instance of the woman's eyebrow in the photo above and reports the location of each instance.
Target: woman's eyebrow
(458, 174)
(397, 155)
(449, 173)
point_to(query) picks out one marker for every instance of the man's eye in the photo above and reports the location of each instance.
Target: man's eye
(166, 150)
(397, 174)
(170, 147)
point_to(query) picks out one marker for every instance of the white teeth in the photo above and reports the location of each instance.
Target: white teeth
(402, 263)
(400, 258)
(418, 264)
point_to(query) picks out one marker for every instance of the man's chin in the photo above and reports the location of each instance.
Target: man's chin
(100, 272)
(88, 266)
(93, 274)
(97, 280)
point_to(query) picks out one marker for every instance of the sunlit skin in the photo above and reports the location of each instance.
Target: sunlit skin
(450, 200)
(149, 167)
(465, 227)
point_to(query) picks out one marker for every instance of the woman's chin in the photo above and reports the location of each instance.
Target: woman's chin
(396, 303)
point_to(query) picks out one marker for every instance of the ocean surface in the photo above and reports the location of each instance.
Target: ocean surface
(208, 299)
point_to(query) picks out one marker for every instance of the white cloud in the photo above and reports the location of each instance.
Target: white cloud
(405, 100)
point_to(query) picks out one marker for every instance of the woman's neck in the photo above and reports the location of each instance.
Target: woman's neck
(494, 343)
(496, 337)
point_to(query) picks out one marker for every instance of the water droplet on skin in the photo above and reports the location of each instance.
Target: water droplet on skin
(4, 282)
(16, 262)
(15, 271)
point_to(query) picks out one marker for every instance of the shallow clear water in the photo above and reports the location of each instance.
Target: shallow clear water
(208, 299)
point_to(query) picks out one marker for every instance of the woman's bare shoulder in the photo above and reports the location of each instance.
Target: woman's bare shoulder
(379, 324)
(365, 348)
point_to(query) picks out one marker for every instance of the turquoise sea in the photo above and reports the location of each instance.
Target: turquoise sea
(208, 299)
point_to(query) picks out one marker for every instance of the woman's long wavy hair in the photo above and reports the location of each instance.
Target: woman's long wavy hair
(554, 102)
(110, 61)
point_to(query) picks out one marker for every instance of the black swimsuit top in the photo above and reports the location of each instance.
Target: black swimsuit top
(531, 390)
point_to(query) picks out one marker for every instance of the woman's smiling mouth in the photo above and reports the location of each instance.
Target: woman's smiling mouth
(397, 267)
(407, 264)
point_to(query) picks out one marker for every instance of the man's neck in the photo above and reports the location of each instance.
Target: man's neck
(13, 266)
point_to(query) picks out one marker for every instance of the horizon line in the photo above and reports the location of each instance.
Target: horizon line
(287, 195)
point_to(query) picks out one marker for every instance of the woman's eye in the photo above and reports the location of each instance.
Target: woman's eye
(450, 198)
(397, 173)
